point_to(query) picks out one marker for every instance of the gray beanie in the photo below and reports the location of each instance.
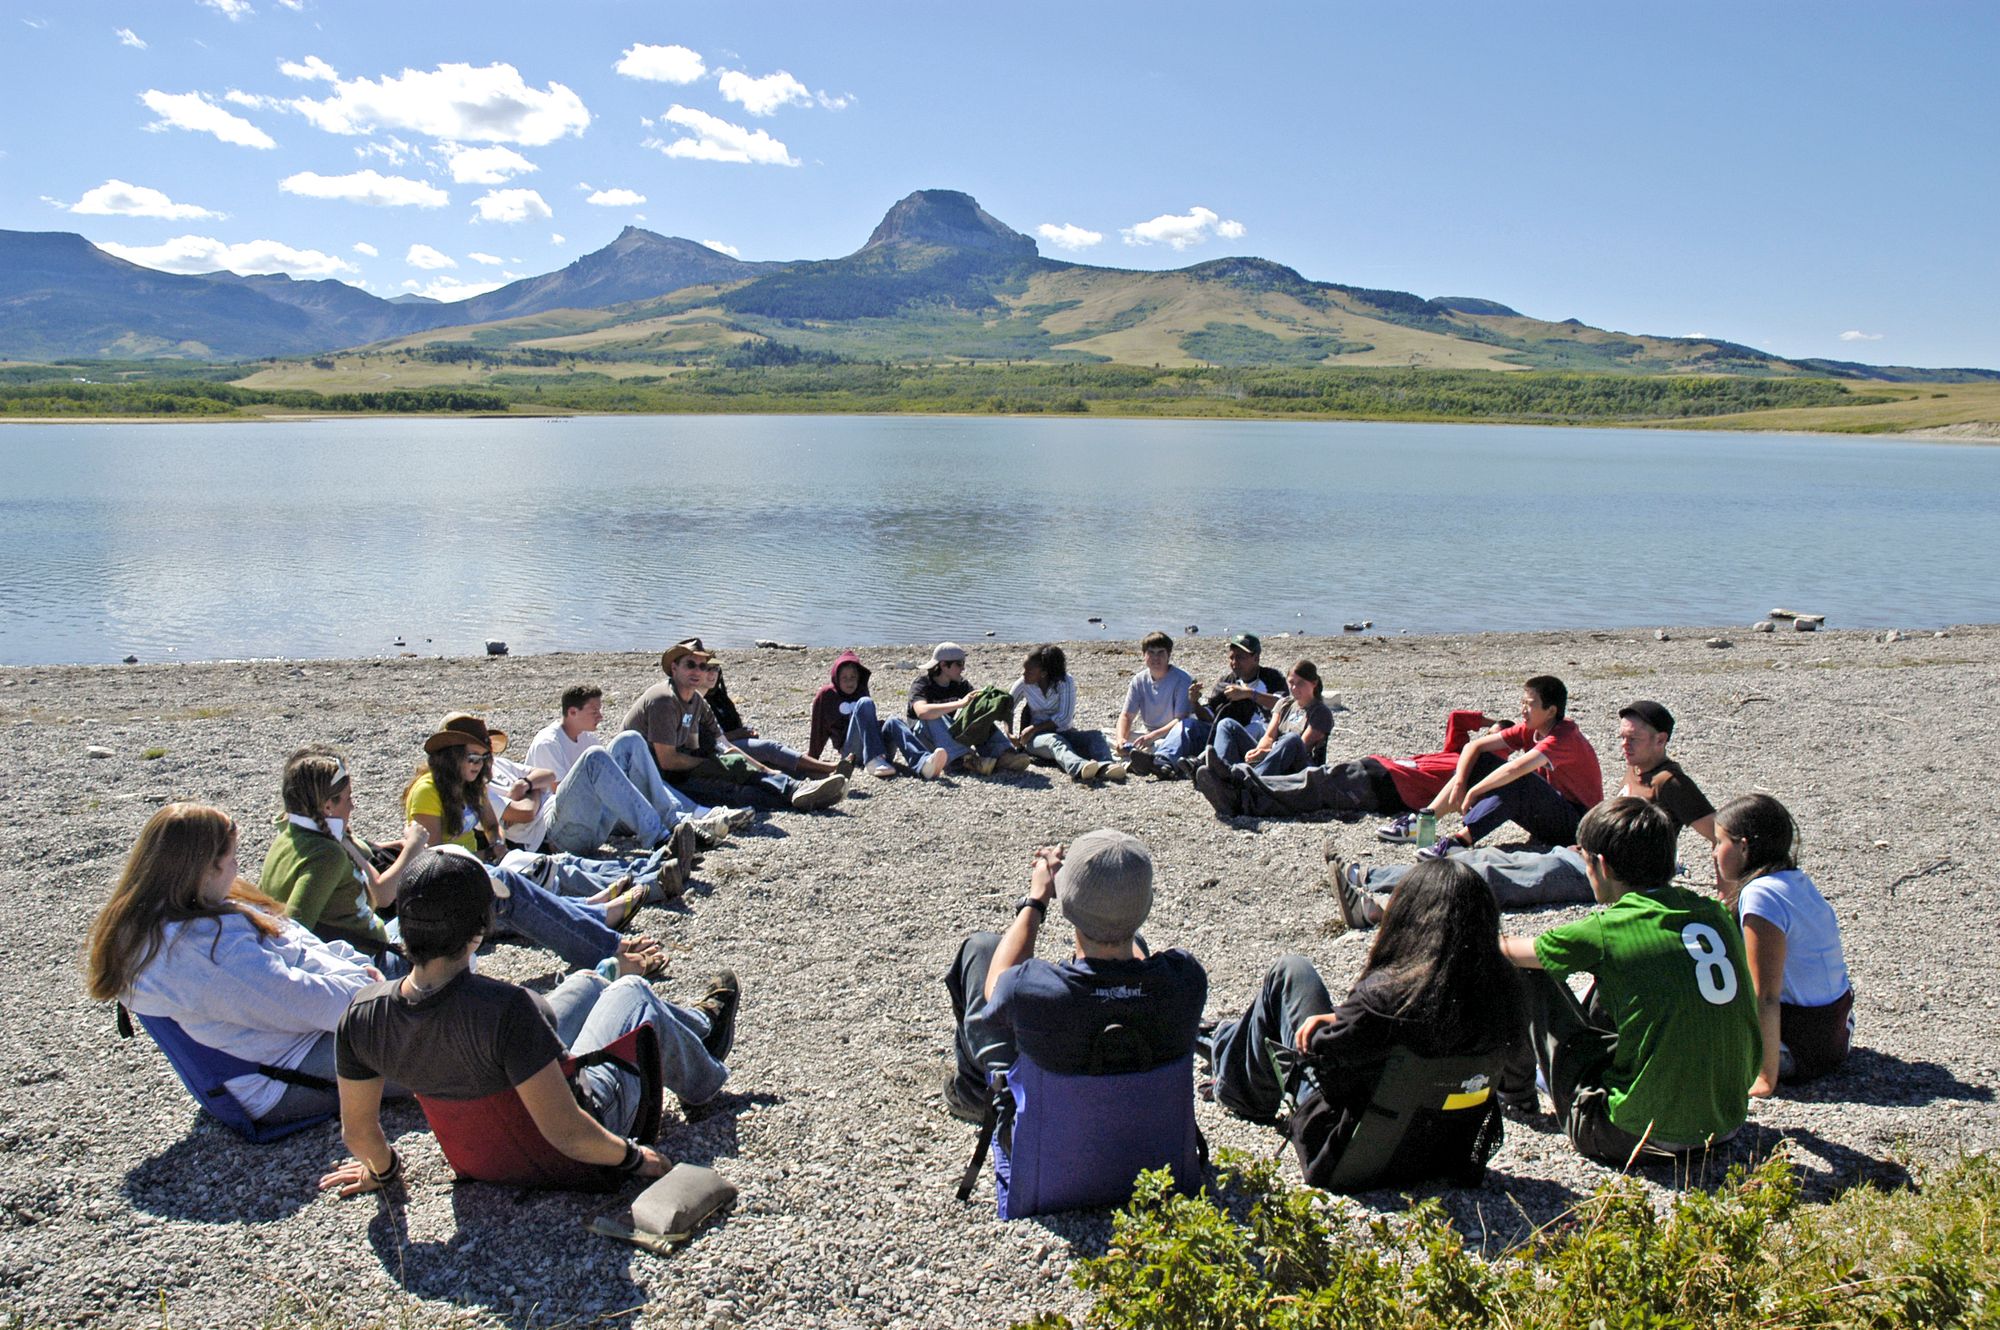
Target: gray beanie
(1105, 885)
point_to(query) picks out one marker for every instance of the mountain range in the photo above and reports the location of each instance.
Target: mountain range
(938, 278)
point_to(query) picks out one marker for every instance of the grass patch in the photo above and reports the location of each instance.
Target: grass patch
(1748, 1254)
(153, 754)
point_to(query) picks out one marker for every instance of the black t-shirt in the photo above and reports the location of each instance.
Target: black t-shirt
(1244, 710)
(923, 688)
(1674, 791)
(472, 1038)
(1056, 1012)
(724, 707)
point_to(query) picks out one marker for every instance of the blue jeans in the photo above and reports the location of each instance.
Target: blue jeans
(305, 1101)
(1286, 757)
(1531, 803)
(1070, 749)
(1187, 739)
(592, 1011)
(868, 737)
(577, 933)
(771, 753)
(575, 876)
(1234, 740)
(938, 733)
(1517, 878)
(615, 786)
(1245, 1081)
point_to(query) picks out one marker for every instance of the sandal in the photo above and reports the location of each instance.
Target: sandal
(622, 909)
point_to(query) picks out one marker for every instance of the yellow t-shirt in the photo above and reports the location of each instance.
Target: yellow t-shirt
(423, 800)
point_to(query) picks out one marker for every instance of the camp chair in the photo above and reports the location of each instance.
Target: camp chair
(1070, 1141)
(492, 1139)
(203, 1070)
(1426, 1118)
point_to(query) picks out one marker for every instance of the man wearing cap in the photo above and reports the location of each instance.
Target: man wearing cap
(1245, 693)
(1003, 995)
(936, 696)
(687, 743)
(1523, 878)
(450, 1034)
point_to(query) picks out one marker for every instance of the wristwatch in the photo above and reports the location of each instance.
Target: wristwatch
(1041, 908)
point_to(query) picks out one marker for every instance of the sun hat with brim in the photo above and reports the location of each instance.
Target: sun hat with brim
(461, 728)
(680, 650)
(946, 652)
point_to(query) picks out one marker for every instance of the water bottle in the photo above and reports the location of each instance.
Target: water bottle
(1427, 828)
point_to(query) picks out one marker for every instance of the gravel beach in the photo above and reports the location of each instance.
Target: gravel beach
(120, 1205)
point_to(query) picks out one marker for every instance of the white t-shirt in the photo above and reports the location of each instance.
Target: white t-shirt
(1155, 704)
(1815, 973)
(530, 834)
(1045, 706)
(553, 749)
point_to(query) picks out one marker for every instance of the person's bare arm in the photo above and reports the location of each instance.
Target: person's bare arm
(1124, 736)
(383, 886)
(1765, 943)
(563, 1124)
(935, 710)
(1520, 951)
(1704, 827)
(668, 758)
(1018, 942)
(745, 756)
(374, 1161)
(1515, 767)
(1452, 797)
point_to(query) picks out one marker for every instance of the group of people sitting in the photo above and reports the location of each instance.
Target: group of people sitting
(346, 974)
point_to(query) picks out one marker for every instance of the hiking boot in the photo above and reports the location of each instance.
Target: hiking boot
(1140, 760)
(959, 1104)
(1445, 847)
(881, 768)
(1090, 771)
(1014, 761)
(933, 764)
(725, 995)
(1221, 795)
(844, 767)
(1117, 771)
(978, 764)
(817, 794)
(1345, 879)
(1400, 830)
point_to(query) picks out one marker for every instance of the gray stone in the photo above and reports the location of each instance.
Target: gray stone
(99, 750)
(1717, 643)
(1806, 625)
(1763, 626)
(495, 647)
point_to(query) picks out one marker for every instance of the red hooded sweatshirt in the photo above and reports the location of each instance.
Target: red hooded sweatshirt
(828, 725)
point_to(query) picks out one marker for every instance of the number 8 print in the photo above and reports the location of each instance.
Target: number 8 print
(1713, 973)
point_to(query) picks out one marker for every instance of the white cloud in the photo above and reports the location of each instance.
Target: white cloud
(660, 64)
(1856, 335)
(233, 10)
(490, 260)
(490, 104)
(1069, 235)
(296, 6)
(557, 239)
(423, 256)
(206, 254)
(762, 96)
(195, 112)
(363, 247)
(255, 101)
(312, 69)
(484, 166)
(1183, 231)
(127, 37)
(711, 139)
(450, 288)
(616, 198)
(830, 102)
(391, 149)
(115, 198)
(721, 248)
(371, 187)
(38, 24)
(510, 205)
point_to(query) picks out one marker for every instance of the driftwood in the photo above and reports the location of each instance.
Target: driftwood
(1916, 873)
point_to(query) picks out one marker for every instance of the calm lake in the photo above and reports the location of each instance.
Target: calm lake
(203, 541)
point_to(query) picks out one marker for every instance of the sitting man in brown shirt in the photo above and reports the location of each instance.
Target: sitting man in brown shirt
(687, 742)
(1521, 878)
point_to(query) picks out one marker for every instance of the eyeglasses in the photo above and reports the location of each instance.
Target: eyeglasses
(480, 758)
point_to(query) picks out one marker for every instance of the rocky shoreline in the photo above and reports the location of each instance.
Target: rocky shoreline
(120, 1206)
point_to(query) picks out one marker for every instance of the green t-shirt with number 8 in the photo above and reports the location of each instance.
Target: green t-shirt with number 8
(1673, 982)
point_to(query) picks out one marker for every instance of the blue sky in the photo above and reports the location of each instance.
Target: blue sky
(1816, 180)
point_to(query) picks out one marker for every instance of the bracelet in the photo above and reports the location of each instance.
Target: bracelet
(634, 1160)
(387, 1175)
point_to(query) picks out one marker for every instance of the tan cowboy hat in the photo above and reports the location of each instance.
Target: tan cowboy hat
(691, 647)
(462, 727)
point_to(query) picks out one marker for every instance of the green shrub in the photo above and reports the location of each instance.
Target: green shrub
(1748, 1254)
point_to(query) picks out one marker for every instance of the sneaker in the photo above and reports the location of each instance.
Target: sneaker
(822, 793)
(844, 767)
(739, 818)
(725, 995)
(881, 768)
(1345, 878)
(710, 829)
(1221, 795)
(1445, 846)
(959, 1104)
(978, 764)
(1014, 761)
(1091, 771)
(1399, 830)
(1117, 771)
(934, 763)
(1140, 760)
(671, 884)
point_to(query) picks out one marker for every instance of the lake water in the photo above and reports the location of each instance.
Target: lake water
(203, 541)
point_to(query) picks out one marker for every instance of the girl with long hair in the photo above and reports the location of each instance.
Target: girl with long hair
(447, 796)
(185, 937)
(1805, 1003)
